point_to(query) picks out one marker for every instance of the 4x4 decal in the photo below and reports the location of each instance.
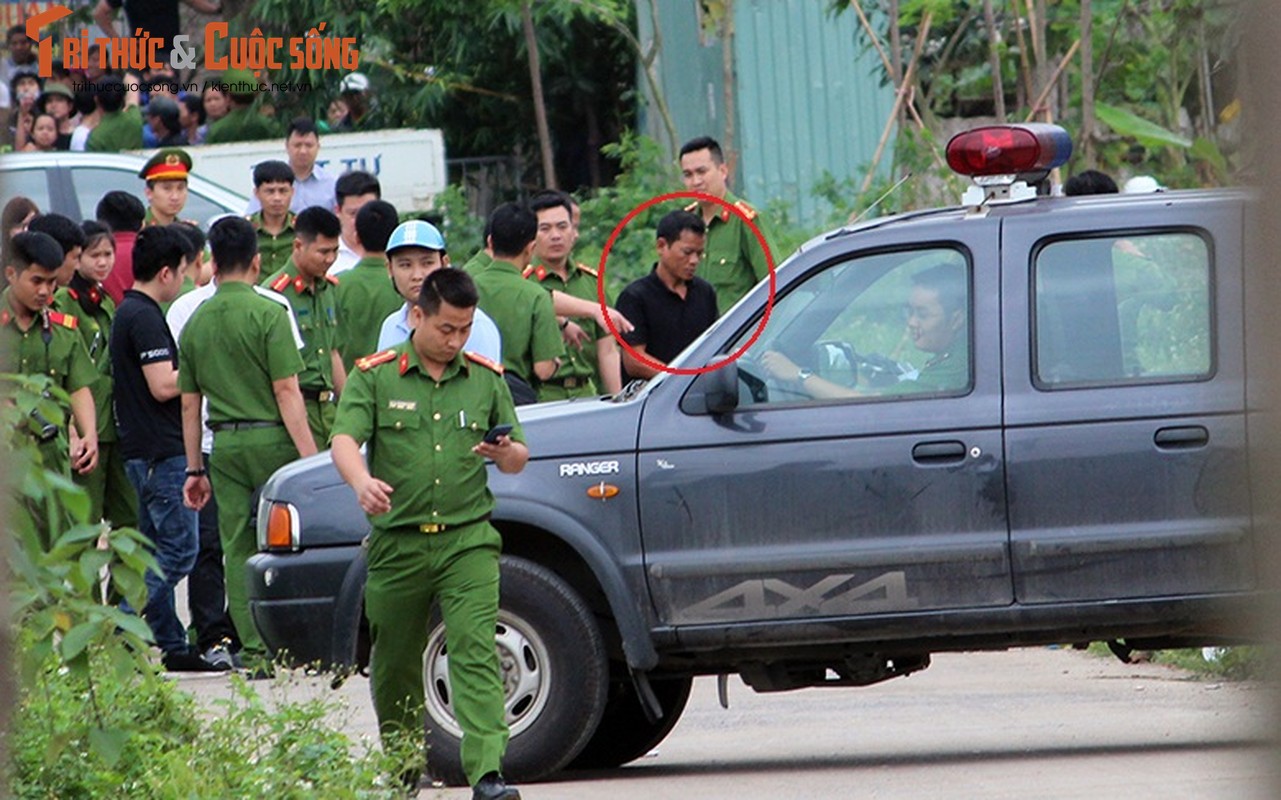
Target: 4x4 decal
(774, 597)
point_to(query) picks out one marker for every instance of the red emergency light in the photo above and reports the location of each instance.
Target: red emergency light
(1009, 149)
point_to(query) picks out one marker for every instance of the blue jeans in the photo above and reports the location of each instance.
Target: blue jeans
(171, 527)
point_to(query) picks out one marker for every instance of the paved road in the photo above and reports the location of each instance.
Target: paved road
(1035, 724)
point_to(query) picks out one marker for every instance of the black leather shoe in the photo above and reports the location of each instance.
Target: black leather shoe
(493, 787)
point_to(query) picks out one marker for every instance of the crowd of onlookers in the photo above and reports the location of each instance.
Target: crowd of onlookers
(98, 110)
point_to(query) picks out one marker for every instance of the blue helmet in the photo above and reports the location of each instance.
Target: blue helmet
(415, 233)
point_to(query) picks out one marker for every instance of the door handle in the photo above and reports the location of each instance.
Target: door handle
(934, 453)
(1185, 437)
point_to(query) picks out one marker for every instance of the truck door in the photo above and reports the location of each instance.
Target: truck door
(1125, 402)
(872, 481)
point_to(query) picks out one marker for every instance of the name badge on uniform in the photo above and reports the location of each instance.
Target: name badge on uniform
(402, 405)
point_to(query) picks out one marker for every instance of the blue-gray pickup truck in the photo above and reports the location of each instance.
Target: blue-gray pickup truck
(1019, 421)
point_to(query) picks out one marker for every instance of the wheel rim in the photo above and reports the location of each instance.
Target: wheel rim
(526, 670)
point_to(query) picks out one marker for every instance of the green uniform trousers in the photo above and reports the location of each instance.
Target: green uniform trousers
(111, 495)
(407, 570)
(320, 418)
(240, 464)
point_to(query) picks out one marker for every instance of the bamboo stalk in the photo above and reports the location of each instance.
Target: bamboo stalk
(899, 98)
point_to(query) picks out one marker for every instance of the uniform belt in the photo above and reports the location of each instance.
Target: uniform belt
(441, 527)
(243, 425)
(319, 395)
(572, 382)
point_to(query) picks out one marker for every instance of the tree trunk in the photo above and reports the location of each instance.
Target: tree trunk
(540, 108)
(1087, 85)
(729, 86)
(994, 58)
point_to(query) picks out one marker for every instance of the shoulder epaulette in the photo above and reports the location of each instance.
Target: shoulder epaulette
(588, 270)
(332, 279)
(527, 271)
(692, 206)
(65, 320)
(747, 210)
(74, 294)
(483, 361)
(369, 362)
(280, 283)
(539, 272)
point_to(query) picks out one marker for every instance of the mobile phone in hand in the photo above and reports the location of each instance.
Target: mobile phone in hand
(492, 435)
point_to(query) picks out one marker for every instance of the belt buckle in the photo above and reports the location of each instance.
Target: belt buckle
(326, 396)
(571, 383)
(432, 527)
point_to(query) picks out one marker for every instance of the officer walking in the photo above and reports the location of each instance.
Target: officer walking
(310, 290)
(424, 408)
(274, 191)
(238, 350)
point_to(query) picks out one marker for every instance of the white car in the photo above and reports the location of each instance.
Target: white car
(72, 184)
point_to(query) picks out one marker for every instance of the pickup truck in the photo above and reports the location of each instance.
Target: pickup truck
(1018, 421)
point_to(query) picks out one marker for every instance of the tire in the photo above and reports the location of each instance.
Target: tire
(555, 675)
(625, 733)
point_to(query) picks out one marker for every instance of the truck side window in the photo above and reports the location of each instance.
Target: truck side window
(892, 324)
(1121, 310)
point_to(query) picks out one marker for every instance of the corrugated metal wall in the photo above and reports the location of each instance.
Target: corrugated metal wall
(809, 98)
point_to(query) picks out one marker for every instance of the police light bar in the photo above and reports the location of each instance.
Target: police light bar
(1009, 149)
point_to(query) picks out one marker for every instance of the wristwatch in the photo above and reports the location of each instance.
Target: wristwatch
(802, 373)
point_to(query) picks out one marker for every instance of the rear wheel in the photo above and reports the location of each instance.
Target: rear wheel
(554, 671)
(625, 733)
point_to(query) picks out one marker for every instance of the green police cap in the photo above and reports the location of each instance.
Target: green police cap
(168, 164)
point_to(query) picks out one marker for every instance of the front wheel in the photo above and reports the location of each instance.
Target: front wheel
(554, 671)
(625, 732)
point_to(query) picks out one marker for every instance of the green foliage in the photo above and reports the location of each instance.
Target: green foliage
(154, 741)
(95, 719)
(646, 173)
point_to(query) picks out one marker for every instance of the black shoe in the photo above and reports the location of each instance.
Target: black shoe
(493, 787)
(189, 661)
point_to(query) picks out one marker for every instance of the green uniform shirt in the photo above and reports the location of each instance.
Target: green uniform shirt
(733, 261)
(317, 316)
(421, 433)
(365, 297)
(478, 263)
(276, 248)
(95, 331)
(579, 364)
(240, 125)
(232, 349)
(949, 372)
(524, 316)
(118, 130)
(65, 359)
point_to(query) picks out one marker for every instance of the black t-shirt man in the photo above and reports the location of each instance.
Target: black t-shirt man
(664, 321)
(147, 428)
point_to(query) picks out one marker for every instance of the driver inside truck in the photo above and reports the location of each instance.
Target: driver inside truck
(936, 313)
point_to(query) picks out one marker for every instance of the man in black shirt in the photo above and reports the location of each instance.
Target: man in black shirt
(669, 307)
(144, 361)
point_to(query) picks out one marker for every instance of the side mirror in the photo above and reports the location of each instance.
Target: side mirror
(714, 392)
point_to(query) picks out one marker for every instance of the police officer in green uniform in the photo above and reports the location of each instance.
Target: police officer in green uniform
(937, 307)
(532, 345)
(38, 341)
(367, 293)
(311, 292)
(120, 127)
(424, 408)
(165, 174)
(553, 269)
(274, 188)
(238, 351)
(241, 123)
(111, 495)
(733, 261)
